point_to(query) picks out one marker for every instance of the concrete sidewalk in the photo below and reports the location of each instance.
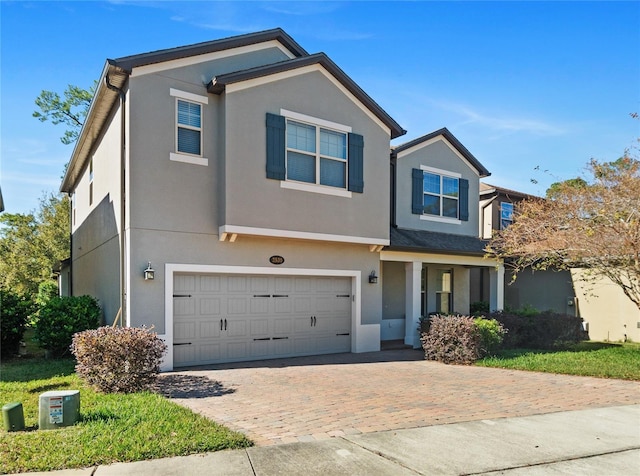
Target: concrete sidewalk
(600, 441)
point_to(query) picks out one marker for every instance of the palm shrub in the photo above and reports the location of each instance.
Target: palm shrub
(14, 312)
(452, 340)
(120, 359)
(61, 317)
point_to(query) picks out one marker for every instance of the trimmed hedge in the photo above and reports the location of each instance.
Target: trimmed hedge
(121, 359)
(545, 330)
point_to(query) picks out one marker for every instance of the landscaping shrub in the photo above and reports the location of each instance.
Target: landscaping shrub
(540, 331)
(491, 335)
(14, 312)
(121, 359)
(61, 317)
(452, 340)
(479, 308)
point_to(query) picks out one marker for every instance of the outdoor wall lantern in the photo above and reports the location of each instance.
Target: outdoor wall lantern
(149, 273)
(373, 279)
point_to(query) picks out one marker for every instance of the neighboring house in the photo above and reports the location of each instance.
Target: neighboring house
(234, 196)
(608, 314)
(434, 240)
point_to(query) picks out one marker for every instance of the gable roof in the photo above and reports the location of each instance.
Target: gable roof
(218, 84)
(444, 132)
(116, 73)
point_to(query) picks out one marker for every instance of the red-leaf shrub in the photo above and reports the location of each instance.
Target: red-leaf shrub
(452, 340)
(121, 359)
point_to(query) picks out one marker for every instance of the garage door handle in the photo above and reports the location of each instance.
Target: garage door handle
(345, 334)
(262, 295)
(223, 324)
(280, 338)
(343, 295)
(280, 295)
(263, 338)
(182, 343)
(182, 295)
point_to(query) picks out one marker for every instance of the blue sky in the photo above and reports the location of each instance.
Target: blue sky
(523, 85)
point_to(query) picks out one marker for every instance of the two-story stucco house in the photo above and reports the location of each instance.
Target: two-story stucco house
(234, 195)
(434, 240)
(252, 178)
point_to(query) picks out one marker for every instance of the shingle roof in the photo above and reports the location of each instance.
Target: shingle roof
(433, 242)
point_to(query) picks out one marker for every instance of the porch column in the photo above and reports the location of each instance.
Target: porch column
(496, 288)
(413, 277)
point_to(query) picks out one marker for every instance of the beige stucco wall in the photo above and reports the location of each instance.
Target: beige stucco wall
(609, 313)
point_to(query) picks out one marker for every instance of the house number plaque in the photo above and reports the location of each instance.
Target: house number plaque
(276, 259)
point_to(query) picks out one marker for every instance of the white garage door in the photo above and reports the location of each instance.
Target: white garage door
(227, 318)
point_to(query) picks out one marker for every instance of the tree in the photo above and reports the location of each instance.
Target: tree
(70, 110)
(32, 244)
(589, 223)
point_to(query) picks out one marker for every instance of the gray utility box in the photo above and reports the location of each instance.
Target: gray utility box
(59, 408)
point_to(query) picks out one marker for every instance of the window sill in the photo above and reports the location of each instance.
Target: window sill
(452, 221)
(309, 187)
(188, 159)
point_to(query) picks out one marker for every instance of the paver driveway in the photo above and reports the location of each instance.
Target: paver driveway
(312, 398)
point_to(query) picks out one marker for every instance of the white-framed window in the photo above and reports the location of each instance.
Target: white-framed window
(506, 214)
(444, 291)
(440, 195)
(189, 127)
(316, 154)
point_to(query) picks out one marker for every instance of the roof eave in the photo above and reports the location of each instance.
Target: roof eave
(101, 105)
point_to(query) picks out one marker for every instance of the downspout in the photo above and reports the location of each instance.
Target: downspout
(123, 289)
(70, 283)
(393, 190)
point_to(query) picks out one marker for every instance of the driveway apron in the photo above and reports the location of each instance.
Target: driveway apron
(315, 398)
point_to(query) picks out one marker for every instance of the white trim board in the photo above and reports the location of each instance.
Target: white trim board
(227, 230)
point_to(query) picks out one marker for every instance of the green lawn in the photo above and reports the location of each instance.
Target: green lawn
(596, 359)
(113, 427)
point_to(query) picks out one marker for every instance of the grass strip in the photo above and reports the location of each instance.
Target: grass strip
(112, 427)
(595, 359)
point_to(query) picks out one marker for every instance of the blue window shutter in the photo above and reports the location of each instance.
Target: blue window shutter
(417, 191)
(356, 165)
(276, 146)
(463, 199)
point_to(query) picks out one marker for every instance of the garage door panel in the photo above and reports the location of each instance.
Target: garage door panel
(184, 330)
(209, 284)
(283, 327)
(210, 352)
(259, 305)
(183, 307)
(238, 350)
(237, 327)
(209, 306)
(283, 305)
(184, 283)
(185, 355)
(237, 284)
(259, 284)
(237, 305)
(210, 328)
(259, 327)
(282, 284)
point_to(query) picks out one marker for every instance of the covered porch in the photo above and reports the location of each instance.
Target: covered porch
(424, 273)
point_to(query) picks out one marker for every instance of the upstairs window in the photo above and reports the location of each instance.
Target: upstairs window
(441, 195)
(316, 155)
(506, 214)
(189, 128)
